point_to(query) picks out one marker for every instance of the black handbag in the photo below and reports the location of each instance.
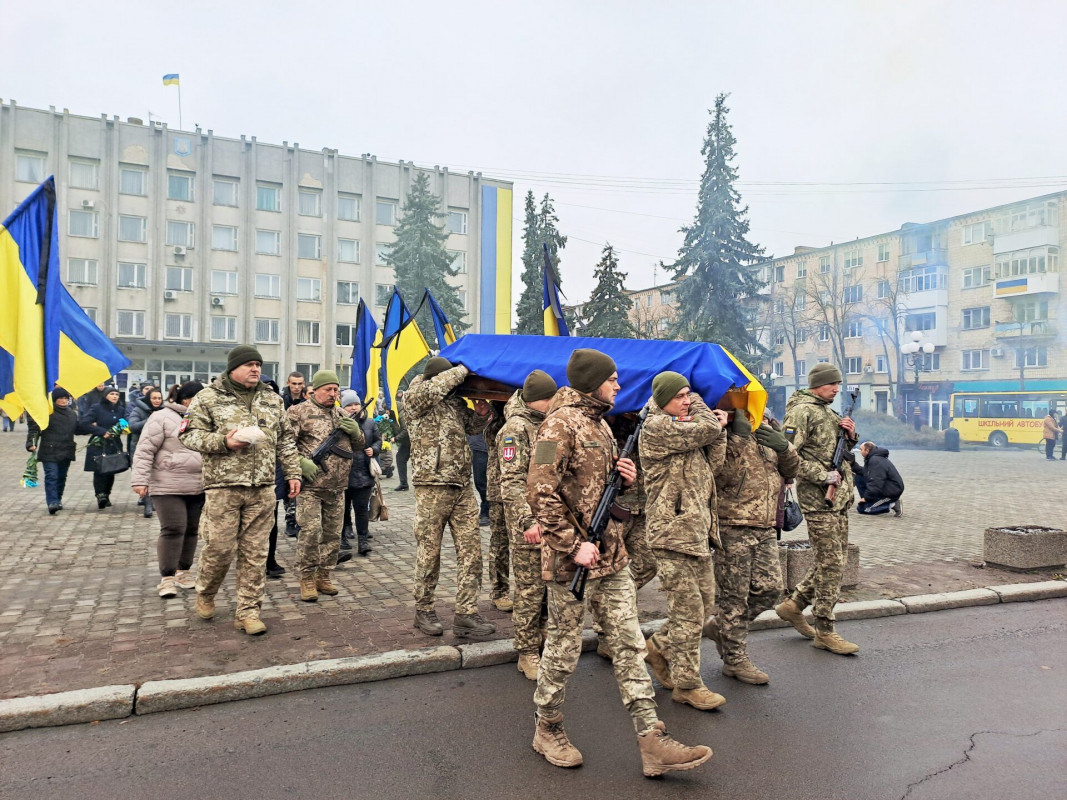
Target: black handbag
(793, 517)
(112, 463)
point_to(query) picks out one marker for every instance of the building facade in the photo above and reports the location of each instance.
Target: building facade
(182, 244)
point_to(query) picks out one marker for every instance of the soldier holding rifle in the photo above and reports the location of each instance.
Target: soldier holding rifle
(825, 494)
(574, 455)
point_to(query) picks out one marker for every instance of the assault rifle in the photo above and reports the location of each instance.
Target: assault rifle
(602, 515)
(330, 445)
(841, 449)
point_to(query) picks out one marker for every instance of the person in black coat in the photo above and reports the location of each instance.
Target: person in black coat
(98, 422)
(90, 399)
(882, 485)
(360, 479)
(55, 446)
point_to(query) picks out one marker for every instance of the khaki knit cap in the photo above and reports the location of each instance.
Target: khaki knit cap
(822, 374)
(435, 366)
(587, 369)
(324, 377)
(538, 386)
(666, 385)
(242, 354)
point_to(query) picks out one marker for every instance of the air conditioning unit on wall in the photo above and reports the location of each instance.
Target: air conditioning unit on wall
(179, 250)
(170, 294)
(997, 352)
(217, 302)
(89, 204)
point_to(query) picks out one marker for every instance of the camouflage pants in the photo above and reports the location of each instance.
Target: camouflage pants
(748, 578)
(821, 587)
(642, 563)
(529, 597)
(618, 617)
(320, 516)
(434, 507)
(499, 574)
(236, 520)
(689, 582)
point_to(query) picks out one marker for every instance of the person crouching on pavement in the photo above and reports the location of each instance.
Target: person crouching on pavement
(54, 446)
(360, 479)
(573, 456)
(238, 425)
(681, 446)
(879, 483)
(320, 507)
(747, 571)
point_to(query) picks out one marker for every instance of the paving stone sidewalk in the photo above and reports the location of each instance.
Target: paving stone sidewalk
(78, 604)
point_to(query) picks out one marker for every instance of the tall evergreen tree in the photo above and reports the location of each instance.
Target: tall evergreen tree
(716, 260)
(609, 306)
(420, 261)
(540, 226)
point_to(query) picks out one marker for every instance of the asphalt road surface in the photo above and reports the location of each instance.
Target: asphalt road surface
(970, 703)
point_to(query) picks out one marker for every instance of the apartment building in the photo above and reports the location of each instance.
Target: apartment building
(180, 244)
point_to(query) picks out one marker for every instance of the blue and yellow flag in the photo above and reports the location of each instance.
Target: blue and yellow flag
(441, 326)
(366, 357)
(171, 79)
(403, 345)
(555, 324)
(45, 338)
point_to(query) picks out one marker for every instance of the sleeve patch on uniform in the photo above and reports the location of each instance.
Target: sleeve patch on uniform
(545, 452)
(790, 432)
(682, 419)
(507, 452)
(592, 443)
(184, 425)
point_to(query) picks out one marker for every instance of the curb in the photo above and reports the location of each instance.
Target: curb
(117, 702)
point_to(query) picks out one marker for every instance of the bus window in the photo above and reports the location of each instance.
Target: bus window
(1036, 408)
(965, 407)
(1001, 407)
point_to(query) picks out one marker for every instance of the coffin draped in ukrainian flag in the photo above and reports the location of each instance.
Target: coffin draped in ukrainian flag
(712, 371)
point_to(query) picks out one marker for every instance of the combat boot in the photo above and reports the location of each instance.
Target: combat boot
(746, 672)
(603, 650)
(661, 753)
(830, 640)
(250, 625)
(792, 613)
(504, 604)
(701, 698)
(323, 584)
(428, 623)
(464, 625)
(308, 592)
(711, 631)
(205, 606)
(529, 664)
(550, 740)
(656, 661)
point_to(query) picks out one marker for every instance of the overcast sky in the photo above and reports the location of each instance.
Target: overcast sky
(851, 117)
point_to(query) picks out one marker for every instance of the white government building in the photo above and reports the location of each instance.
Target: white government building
(182, 244)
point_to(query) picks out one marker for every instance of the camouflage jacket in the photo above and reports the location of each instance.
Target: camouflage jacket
(312, 425)
(573, 455)
(679, 455)
(438, 423)
(514, 446)
(215, 412)
(812, 426)
(492, 472)
(635, 497)
(749, 481)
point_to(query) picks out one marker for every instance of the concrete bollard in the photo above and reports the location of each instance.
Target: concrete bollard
(1025, 547)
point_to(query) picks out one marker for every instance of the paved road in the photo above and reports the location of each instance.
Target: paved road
(958, 704)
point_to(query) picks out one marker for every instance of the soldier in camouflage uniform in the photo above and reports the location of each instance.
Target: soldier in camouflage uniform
(238, 480)
(747, 571)
(499, 573)
(524, 412)
(681, 445)
(573, 456)
(813, 427)
(320, 509)
(438, 421)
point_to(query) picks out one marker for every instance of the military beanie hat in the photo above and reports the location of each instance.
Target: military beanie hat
(538, 386)
(324, 377)
(242, 354)
(587, 369)
(435, 366)
(666, 385)
(822, 374)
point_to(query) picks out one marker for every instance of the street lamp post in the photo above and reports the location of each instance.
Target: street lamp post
(915, 352)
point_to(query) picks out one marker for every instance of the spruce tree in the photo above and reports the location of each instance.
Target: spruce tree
(609, 306)
(540, 226)
(420, 261)
(716, 263)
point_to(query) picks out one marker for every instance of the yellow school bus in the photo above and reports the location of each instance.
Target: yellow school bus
(1002, 418)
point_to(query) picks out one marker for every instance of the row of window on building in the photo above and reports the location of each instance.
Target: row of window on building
(979, 360)
(133, 181)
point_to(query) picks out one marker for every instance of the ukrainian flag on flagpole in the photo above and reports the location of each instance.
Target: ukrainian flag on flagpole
(555, 324)
(403, 345)
(171, 79)
(441, 326)
(366, 357)
(45, 338)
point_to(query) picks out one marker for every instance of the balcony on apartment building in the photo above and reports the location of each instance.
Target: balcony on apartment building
(923, 286)
(937, 256)
(1033, 283)
(1035, 330)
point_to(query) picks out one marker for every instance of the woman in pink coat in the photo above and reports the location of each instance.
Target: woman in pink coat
(171, 473)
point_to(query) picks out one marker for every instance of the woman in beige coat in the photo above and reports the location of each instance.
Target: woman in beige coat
(171, 473)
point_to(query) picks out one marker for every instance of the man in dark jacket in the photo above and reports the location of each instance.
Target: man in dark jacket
(54, 446)
(360, 480)
(880, 484)
(294, 393)
(90, 399)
